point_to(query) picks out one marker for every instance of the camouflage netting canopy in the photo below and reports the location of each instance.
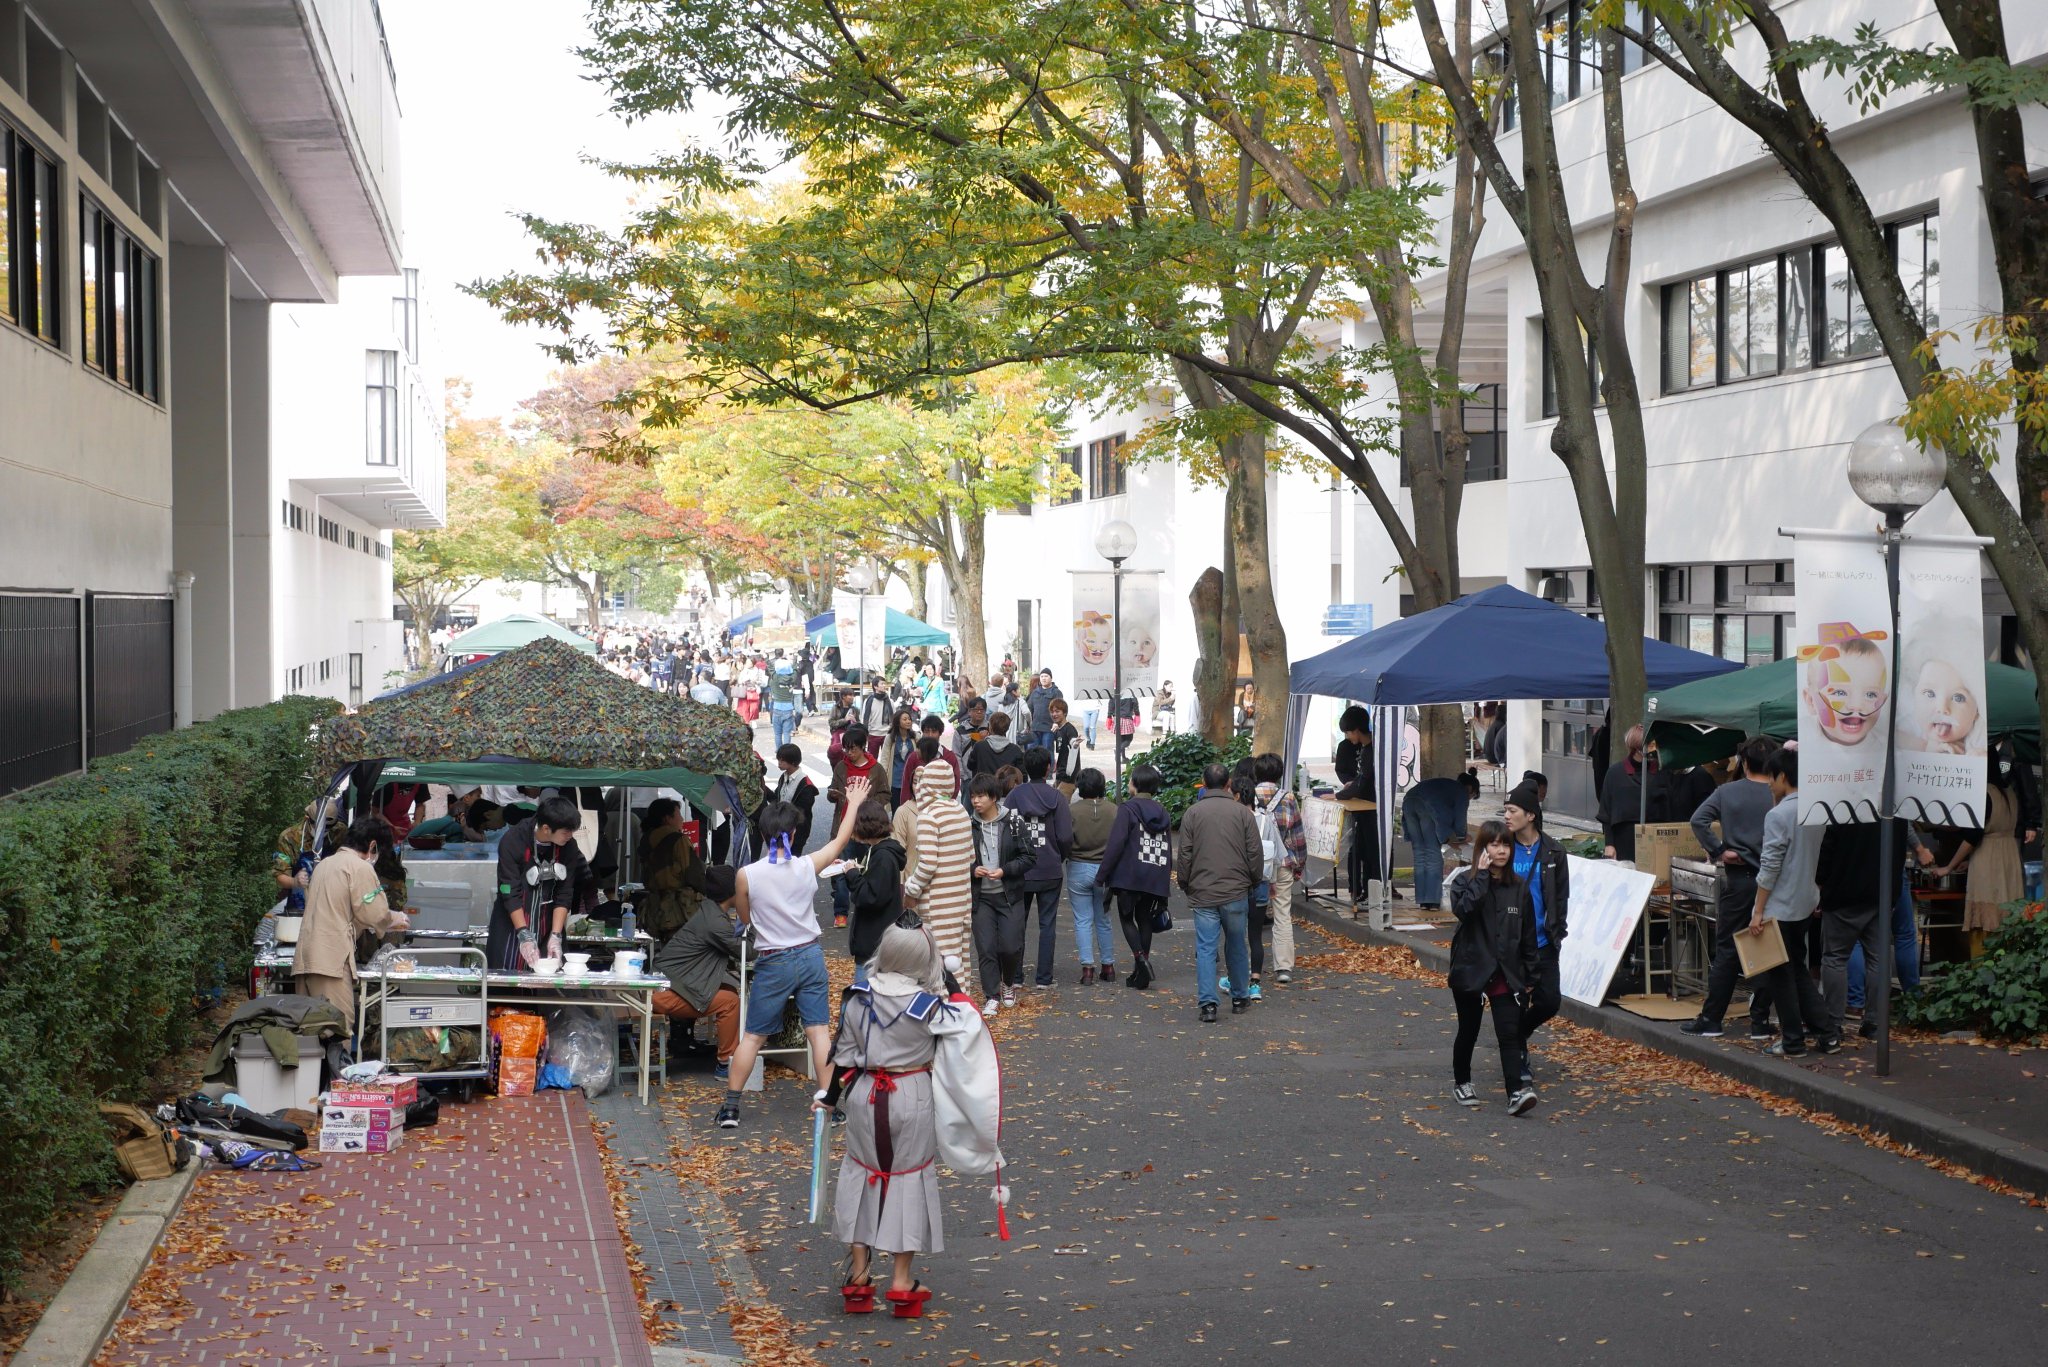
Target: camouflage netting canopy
(547, 714)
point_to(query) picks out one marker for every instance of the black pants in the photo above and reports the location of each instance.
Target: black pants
(1508, 1029)
(1363, 864)
(1732, 916)
(1842, 929)
(1791, 988)
(1134, 912)
(1255, 927)
(998, 941)
(1546, 994)
(1047, 899)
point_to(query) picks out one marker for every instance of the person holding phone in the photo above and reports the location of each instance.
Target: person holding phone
(1494, 960)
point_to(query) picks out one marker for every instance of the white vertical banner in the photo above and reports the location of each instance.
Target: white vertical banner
(1387, 725)
(862, 624)
(1098, 635)
(1941, 715)
(1844, 674)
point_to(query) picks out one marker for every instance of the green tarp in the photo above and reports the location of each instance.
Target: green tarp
(1708, 718)
(547, 714)
(512, 632)
(902, 630)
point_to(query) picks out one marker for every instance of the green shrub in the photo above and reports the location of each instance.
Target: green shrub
(1181, 758)
(2003, 992)
(126, 893)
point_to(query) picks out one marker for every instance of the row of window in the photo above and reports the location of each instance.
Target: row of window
(1786, 312)
(1570, 38)
(121, 284)
(30, 289)
(1102, 475)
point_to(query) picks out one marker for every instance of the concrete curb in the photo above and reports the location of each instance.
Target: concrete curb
(1995, 1156)
(85, 1310)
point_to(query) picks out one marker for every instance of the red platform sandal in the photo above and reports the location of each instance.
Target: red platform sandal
(909, 1305)
(859, 1297)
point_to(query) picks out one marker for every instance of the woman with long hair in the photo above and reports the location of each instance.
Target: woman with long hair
(898, 745)
(1493, 960)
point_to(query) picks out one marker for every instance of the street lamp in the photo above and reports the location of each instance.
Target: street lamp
(1896, 476)
(1115, 543)
(860, 579)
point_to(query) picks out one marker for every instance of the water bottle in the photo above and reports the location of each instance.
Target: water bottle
(627, 923)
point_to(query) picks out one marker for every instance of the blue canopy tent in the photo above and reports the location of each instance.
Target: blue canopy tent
(740, 624)
(1499, 643)
(901, 629)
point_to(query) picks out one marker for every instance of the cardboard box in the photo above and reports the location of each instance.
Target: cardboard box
(360, 1141)
(1659, 841)
(362, 1118)
(388, 1090)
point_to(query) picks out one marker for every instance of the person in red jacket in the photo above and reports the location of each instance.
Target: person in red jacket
(854, 761)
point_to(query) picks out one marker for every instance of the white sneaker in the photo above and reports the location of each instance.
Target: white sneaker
(1463, 1094)
(1009, 996)
(991, 1008)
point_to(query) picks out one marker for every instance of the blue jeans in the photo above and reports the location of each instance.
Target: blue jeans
(1041, 740)
(842, 896)
(1227, 924)
(1905, 951)
(783, 720)
(1091, 717)
(777, 977)
(1423, 826)
(1091, 915)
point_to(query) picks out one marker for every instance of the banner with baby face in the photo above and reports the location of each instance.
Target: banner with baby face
(1097, 634)
(1844, 675)
(1941, 711)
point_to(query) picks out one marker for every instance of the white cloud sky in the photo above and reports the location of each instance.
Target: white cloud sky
(498, 115)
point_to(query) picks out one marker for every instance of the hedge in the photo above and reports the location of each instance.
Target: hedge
(127, 894)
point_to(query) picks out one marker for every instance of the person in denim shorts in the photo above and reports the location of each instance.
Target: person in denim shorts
(777, 902)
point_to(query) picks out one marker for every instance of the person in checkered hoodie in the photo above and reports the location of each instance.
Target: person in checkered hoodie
(1135, 866)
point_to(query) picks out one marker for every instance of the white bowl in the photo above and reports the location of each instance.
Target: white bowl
(288, 929)
(575, 965)
(547, 968)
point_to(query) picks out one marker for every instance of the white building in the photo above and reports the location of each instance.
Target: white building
(169, 169)
(1749, 344)
(357, 450)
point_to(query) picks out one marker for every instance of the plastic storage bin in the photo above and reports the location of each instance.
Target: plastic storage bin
(269, 1086)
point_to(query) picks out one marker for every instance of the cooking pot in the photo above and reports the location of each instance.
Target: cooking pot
(1947, 882)
(288, 929)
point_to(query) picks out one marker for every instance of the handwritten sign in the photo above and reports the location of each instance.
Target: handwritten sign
(1607, 901)
(1322, 821)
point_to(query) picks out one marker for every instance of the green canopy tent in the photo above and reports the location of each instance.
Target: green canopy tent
(1707, 719)
(901, 629)
(548, 714)
(513, 631)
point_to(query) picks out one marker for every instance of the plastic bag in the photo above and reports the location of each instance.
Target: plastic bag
(518, 1035)
(586, 1045)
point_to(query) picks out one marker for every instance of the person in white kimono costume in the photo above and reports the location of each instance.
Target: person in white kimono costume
(916, 1074)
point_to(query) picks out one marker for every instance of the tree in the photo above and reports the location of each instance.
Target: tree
(432, 570)
(1959, 407)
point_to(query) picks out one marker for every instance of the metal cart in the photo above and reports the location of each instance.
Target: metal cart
(415, 1004)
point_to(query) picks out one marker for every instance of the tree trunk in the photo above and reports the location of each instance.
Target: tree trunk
(592, 590)
(966, 579)
(1212, 678)
(916, 574)
(1244, 461)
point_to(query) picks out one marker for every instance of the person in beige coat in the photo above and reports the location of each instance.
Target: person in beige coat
(344, 899)
(937, 879)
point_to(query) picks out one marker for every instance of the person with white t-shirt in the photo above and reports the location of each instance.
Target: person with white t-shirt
(777, 900)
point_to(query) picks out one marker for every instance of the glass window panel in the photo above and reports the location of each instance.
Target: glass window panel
(1734, 643)
(1676, 339)
(6, 225)
(1763, 317)
(1700, 329)
(1931, 270)
(1836, 291)
(1911, 247)
(89, 280)
(117, 297)
(146, 332)
(1735, 348)
(44, 256)
(1762, 645)
(1702, 635)
(1798, 309)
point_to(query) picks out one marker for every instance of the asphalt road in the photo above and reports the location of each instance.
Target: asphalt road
(1296, 1183)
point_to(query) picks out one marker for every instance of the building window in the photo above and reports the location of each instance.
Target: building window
(1070, 460)
(1106, 474)
(405, 315)
(30, 288)
(1727, 610)
(118, 303)
(381, 392)
(1789, 311)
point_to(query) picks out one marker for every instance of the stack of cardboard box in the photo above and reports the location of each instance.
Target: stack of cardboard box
(366, 1117)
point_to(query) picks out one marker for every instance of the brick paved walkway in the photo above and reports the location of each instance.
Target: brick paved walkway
(489, 1238)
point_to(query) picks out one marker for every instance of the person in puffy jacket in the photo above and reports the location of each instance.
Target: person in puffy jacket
(1048, 824)
(1494, 959)
(1135, 866)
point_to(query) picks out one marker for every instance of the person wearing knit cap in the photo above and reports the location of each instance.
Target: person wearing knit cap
(1538, 860)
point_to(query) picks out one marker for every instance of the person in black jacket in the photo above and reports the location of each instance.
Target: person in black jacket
(1539, 861)
(1493, 957)
(1353, 761)
(542, 878)
(1137, 866)
(1002, 858)
(876, 882)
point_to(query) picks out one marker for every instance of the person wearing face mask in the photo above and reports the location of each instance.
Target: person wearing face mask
(542, 875)
(343, 897)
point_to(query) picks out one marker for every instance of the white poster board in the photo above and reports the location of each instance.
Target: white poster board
(1098, 636)
(1942, 712)
(1607, 901)
(1844, 664)
(1322, 821)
